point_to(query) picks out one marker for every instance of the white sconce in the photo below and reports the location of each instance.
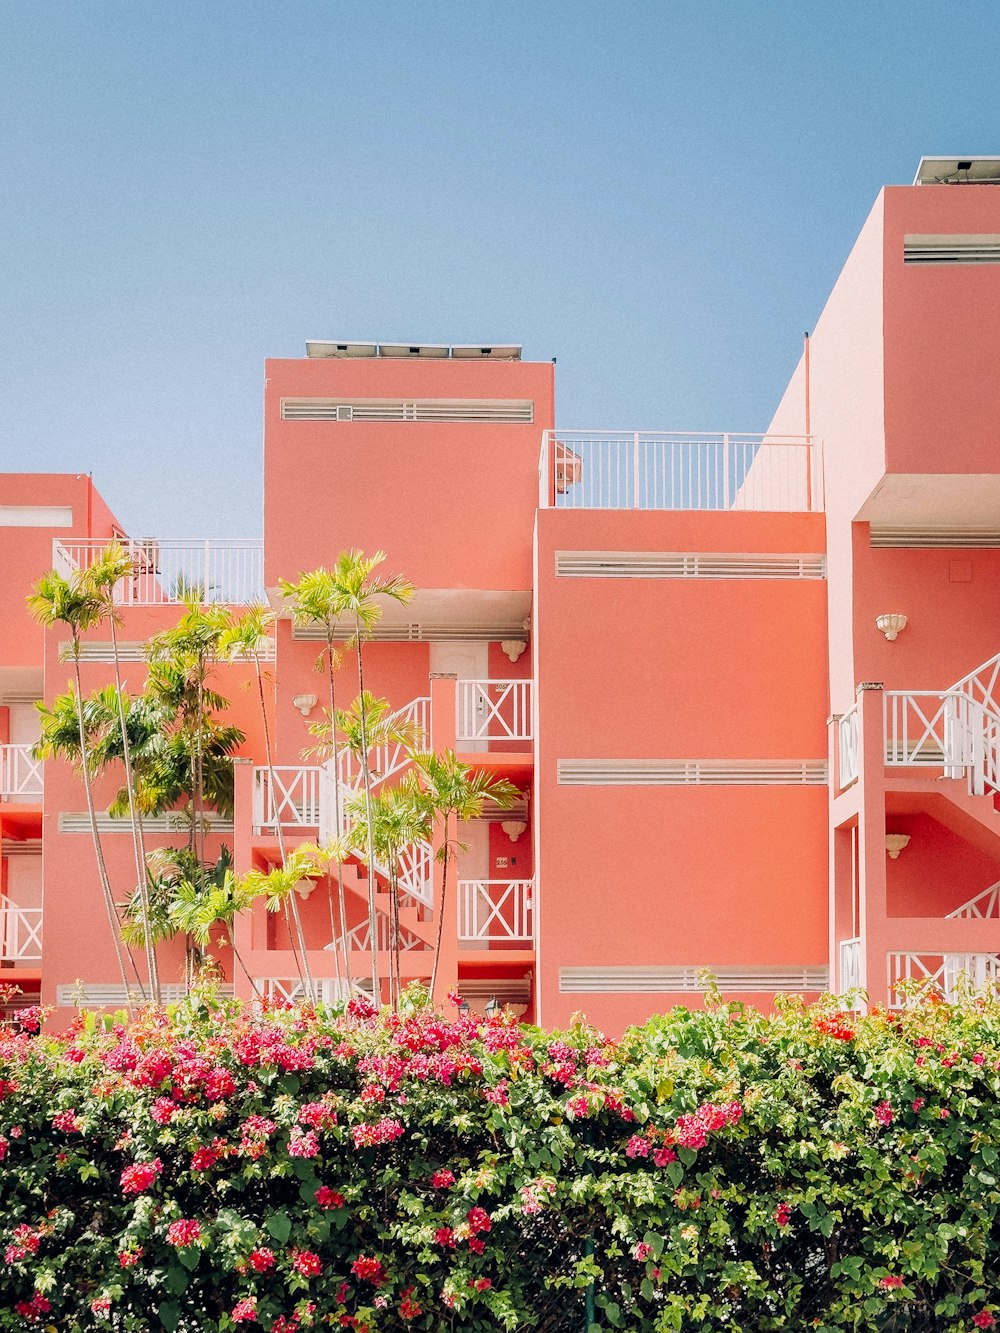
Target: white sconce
(891, 624)
(894, 844)
(513, 648)
(305, 703)
(513, 828)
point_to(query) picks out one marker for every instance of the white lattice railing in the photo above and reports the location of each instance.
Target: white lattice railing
(588, 469)
(954, 974)
(292, 990)
(360, 936)
(496, 710)
(229, 570)
(20, 933)
(983, 907)
(847, 747)
(850, 966)
(20, 774)
(926, 728)
(494, 909)
(292, 798)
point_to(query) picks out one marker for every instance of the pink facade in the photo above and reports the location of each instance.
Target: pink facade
(667, 642)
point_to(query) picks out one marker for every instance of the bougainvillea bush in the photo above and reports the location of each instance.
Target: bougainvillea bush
(212, 1167)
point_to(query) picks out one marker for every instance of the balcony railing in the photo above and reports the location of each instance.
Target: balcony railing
(20, 933)
(286, 795)
(847, 747)
(20, 774)
(493, 710)
(227, 570)
(495, 909)
(850, 966)
(953, 974)
(588, 469)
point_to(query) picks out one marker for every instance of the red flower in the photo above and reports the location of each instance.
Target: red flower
(184, 1232)
(261, 1260)
(245, 1310)
(445, 1236)
(984, 1319)
(369, 1270)
(303, 1145)
(328, 1198)
(138, 1177)
(67, 1122)
(891, 1282)
(129, 1258)
(478, 1220)
(883, 1114)
(782, 1214)
(307, 1263)
(442, 1180)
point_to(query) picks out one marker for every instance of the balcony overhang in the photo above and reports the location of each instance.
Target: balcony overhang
(942, 503)
(438, 615)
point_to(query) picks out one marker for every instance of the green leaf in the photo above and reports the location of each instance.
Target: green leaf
(687, 1155)
(176, 1281)
(170, 1315)
(190, 1257)
(279, 1225)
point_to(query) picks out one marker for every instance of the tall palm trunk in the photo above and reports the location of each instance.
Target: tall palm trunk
(305, 972)
(366, 778)
(114, 921)
(138, 839)
(444, 893)
(335, 763)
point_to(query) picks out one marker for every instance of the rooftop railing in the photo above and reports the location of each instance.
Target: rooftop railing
(224, 569)
(591, 469)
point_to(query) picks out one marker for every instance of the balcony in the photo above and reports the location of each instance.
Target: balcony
(493, 710)
(20, 933)
(20, 774)
(496, 913)
(640, 470)
(225, 570)
(286, 795)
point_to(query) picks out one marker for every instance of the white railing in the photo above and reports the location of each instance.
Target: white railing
(644, 470)
(385, 761)
(20, 933)
(495, 909)
(983, 907)
(953, 974)
(224, 569)
(847, 747)
(20, 774)
(927, 728)
(979, 684)
(293, 799)
(850, 966)
(328, 990)
(497, 710)
(360, 936)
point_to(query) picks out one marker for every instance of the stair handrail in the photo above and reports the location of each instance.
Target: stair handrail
(968, 683)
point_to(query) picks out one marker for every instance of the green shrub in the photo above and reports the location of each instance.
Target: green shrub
(213, 1167)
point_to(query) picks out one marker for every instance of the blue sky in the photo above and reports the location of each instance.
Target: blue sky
(659, 195)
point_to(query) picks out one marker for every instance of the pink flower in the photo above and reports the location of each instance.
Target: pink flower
(138, 1177)
(303, 1145)
(129, 1258)
(245, 1310)
(637, 1146)
(261, 1260)
(184, 1232)
(67, 1122)
(984, 1319)
(782, 1214)
(642, 1251)
(891, 1282)
(478, 1220)
(663, 1156)
(917, 1105)
(307, 1263)
(100, 1306)
(442, 1180)
(883, 1114)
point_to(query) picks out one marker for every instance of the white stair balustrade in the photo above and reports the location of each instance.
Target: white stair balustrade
(359, 937)
(287, 795)
(226, 570)
(953, 974)
(591, 469)
(984, 906)
(493, 909)
(20, 774)
(493, 710)
(20, 933)
(291, 990)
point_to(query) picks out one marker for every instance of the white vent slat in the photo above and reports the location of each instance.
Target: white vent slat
(78, 821)
(30, 847)
(690, 979)
(513, 411)
(421, 632)
(691, 772)
(97, 650)
(688, 565)
(951, 249)
(935, 537)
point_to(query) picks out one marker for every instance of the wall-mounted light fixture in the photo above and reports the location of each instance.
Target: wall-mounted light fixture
(894, 844)
(891, 623)
(492, 1007)
(513, 828)
(305, 703)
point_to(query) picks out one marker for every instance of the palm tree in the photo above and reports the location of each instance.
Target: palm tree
(77, 603)
(401, 816)
(281, 883)
(367, 725)
(249, 637)
(455, 791)
(197, 910)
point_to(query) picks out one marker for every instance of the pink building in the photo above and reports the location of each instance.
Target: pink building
(685, 650)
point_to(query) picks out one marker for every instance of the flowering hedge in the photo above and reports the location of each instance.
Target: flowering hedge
(211, 1168)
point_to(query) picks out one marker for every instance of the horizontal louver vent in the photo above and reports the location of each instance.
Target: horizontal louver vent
(96, 650)
(29, 847)
(691, 772)
(693, 565)
(107, 995)
(692, 980)
(951, 249)
(515, 411)
(935, 537)
(78, 821)
(421, 632)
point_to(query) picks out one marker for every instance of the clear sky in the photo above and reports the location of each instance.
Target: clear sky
(658, 194)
